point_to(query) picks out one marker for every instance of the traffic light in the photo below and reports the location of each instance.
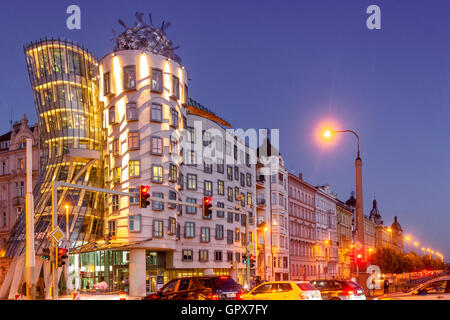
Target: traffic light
(359, 258)
(46, 254)
(252, 261)
(244, 258)
(207, 205)
(62, 256)
(143, 196)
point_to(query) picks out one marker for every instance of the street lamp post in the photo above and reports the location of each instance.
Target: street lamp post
(265, 262)
(359, 193)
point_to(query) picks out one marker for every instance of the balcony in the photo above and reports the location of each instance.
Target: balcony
(260, 182)
(261, 203)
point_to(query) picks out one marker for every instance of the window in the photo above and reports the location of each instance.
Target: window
(134, 168)
(220, 214)
(172, 226)
(191, 181)
(129, 78)
(133, 140)
(23, 144)
(230, 237)
(134, 200)
(156, 80)
(20, 165)
(4, 145)
(4, 219)
(174, 118)
(3, 167)
(158, 227)
(229, 217)
(219, 232)
(157, 146)
(190, 134)
(112, 228)
(228, 147)
(175, 87)
(236, 173)
(249, 179)
(173, 170)
(219, 144)
(218, 255)
(189, 229)
(116, 147)
(205, 234)
(242, 177)
(230, 256)
(158, 205)
(134, 223)
(230, 173)
(117, 175)
(191, 209)
(220, 165)
(220, 187)
(230, 194)
(207, 165)
(181, 181)
(236, 193)
(172, 196)
(187, 255)
(206, 138)
(106, 83)
(131, 111)
(208, 185)
(249, 199)
(157, 173)
(112, 115)
(115, 202)
(203, 255)
(156, 114)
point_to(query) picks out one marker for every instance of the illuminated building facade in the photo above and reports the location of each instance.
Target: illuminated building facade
(344, 216)
(64, 81)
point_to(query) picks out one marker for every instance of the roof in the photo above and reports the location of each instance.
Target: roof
(193, 107)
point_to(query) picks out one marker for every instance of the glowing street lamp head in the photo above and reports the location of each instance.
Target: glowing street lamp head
(327, 134)
(66, 206)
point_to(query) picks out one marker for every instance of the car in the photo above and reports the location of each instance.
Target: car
(283, 290)
(435, 289)
(339, 290)
(199, 288)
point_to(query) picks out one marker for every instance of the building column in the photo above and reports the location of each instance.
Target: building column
(137, 273)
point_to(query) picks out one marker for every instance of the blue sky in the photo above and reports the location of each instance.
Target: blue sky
(290, 65)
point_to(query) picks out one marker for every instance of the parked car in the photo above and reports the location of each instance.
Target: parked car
(283, 290)
(435, 289)
(198, 288)
(339, 290)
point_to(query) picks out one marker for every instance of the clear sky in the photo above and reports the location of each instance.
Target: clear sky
(292, 65)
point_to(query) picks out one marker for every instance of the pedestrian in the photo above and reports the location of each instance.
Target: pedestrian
(372, 285)
(386, 286)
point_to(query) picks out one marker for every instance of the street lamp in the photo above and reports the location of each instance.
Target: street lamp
(390, 231)
(327, 134)
(408, 238)
(416, 244)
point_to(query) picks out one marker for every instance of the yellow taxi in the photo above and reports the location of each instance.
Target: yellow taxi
(283, 290)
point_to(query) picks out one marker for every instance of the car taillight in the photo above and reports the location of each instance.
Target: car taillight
(239, 295)
(213, 296)
(350, 293)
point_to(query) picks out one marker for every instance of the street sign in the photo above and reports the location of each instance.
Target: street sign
(17, 297)
(57, 234)
(358, 245)
(250, 247)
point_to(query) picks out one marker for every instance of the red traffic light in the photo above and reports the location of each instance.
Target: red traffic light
(206, 206)
(143, 196)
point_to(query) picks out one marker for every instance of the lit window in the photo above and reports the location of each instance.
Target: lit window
(133, 140)
(157, 174)
(117, 175)
(112, 228)
(129, 78)
(115, 147)
(156, 80)
(187, 255)
(115, 202)
(173, 173)
(220, 187)
(208, 188)
(134, 168)
(20, 164)
(172, 225)
(203, 255)
(112, 115)
(191, 181)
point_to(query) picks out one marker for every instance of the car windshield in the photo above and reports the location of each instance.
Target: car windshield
(350, 284)
(306, 286)
(226, 283)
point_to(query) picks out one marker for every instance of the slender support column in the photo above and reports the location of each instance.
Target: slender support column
(137, 273)
(29, 253)
(359, 204)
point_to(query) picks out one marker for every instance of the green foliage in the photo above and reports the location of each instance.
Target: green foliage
(394, 261)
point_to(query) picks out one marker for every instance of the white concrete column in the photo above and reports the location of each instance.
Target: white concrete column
(137, 273)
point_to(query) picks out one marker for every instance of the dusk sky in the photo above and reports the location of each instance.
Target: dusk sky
(292, 65)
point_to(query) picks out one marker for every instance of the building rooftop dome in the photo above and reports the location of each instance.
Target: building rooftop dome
(396, 226)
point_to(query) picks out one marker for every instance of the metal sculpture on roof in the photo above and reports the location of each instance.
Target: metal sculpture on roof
(146, 37)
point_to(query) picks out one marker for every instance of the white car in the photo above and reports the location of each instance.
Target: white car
(309, 291)
(435, 289)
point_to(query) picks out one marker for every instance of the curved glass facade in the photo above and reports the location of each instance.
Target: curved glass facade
(64, 79)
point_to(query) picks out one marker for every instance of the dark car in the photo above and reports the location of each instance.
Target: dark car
(199, 288)
(339, 290)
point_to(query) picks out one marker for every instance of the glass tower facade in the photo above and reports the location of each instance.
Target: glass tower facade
(64, 81)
